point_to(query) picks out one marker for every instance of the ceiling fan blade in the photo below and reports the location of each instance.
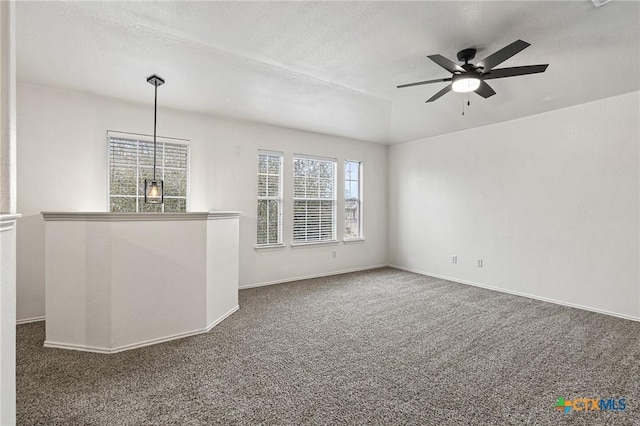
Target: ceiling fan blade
(439, 80)
(485, 90)
(445, 63)
(502, 55)
(440, 93)
(514, 71)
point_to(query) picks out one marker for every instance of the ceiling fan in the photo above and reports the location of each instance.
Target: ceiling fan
(471, 78)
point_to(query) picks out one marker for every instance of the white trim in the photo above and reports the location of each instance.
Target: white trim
(517, 293)
(146, 138)
(315, 157)
(8, 221)
(279, 199)
(359, 199)
(100, 350)
(81, 348)
(222, 215)
(271, 153)
(107, 168)
(188, 193)
(133, 217)
(30, 320)
(268, 247)
(307, 277)
(314, 243)
(353, 240)
(222, 318)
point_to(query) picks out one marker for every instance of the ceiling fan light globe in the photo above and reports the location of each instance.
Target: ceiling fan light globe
(465, 83)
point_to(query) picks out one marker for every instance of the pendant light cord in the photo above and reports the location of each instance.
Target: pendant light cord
(155, 117)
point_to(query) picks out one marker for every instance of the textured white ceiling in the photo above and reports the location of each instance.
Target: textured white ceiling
(331, 67)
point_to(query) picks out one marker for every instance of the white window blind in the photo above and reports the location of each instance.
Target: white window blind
(269, 198)
(353, 199)
(314, 199)
(131, 162)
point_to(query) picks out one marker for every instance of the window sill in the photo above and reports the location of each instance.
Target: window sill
(270, 247)
(353, 240)
(315, 243)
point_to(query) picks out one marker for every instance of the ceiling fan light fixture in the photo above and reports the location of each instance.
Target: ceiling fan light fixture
(472, 77)
(465, 83)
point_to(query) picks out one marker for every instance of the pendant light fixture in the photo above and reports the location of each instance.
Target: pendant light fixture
(154, 188)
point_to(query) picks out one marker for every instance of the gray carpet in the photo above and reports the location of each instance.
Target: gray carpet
(375, 347)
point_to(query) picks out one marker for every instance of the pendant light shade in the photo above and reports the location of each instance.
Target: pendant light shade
(154, 188)
(153, 191)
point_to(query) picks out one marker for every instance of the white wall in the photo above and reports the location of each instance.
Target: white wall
(549, 202)
(62, 166)
(7, 320)
(120, 283)
(7, 214)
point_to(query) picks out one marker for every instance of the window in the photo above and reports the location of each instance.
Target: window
(314, 199)
(353, 199)
(131, 162)
(269, 198)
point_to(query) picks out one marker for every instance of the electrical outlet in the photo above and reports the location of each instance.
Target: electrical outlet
(454, 259)
(479, 265)
(334, 254)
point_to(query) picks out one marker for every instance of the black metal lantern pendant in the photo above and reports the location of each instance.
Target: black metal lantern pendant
(154, 188)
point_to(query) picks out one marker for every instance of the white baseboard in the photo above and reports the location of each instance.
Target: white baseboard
(517, 293)
(97, 349)
(222, 318)
(81, 348)
(307, 277)
(28, 320)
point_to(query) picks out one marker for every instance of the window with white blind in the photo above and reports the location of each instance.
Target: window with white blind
(269, 198)
(131, 162)
(353, 199)
(314, 199)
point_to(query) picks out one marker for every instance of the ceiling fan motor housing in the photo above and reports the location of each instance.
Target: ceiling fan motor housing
(466, 55)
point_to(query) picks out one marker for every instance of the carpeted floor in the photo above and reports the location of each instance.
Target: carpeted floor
(375, 347)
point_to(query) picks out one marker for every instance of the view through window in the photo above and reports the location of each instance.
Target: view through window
(314, 199)
(269, 198)
(352, 203)
(131, 162)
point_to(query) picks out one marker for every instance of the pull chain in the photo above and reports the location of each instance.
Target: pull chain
(468, 103)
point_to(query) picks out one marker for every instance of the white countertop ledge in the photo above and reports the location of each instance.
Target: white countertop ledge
(134, 217)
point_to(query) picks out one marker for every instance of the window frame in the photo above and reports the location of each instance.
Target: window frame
(360, 236)
(279, 199)
(140, 137)
(334, 201)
